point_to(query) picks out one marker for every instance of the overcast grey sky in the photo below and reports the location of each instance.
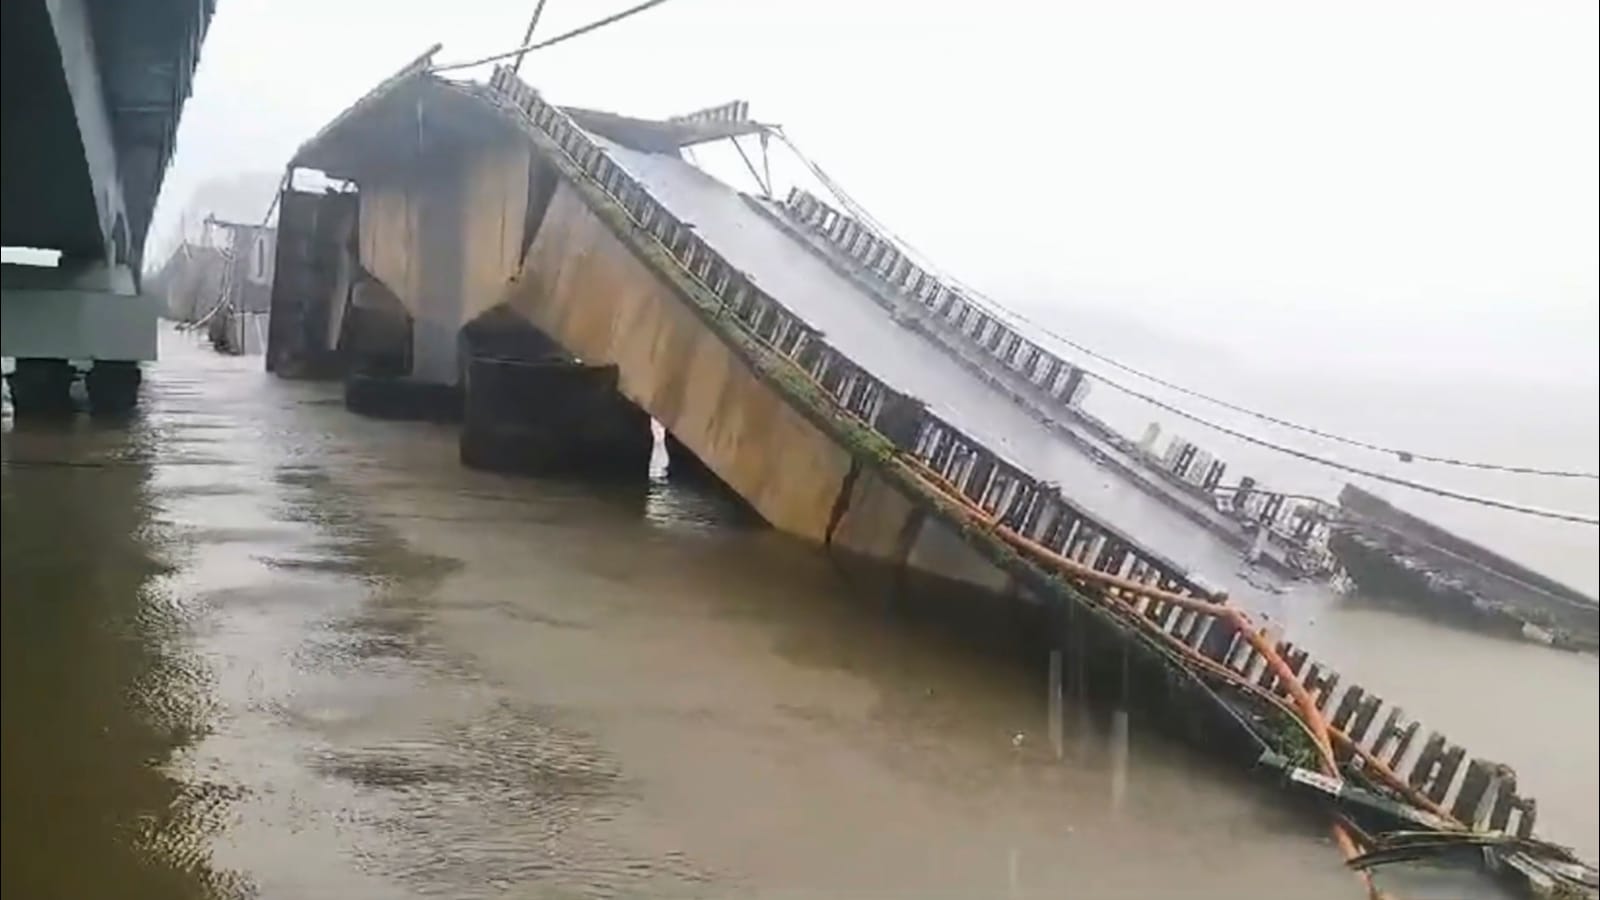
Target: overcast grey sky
(1235, 173)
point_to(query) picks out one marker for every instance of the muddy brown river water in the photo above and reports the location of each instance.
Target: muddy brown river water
(255, 646)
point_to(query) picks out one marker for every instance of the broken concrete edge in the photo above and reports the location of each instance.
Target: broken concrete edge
(1378, 572)
(864, 444)
(1554, 872)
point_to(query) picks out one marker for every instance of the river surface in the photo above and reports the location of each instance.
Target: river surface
(255, 646)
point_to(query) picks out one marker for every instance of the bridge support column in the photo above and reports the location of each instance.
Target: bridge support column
(396, 397)
(113, 386)
(42, 387)
(553, 418)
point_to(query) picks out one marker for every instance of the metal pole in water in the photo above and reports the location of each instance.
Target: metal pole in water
(1014, 873)
(1055, 705)
(528, 36)
(1119, 743)
(1080, 678)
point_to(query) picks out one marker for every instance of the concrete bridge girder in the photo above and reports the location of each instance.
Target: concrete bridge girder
(76, 311)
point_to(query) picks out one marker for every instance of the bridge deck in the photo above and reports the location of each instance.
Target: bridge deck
(865, 332)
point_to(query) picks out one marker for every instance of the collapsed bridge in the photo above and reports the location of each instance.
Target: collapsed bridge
(566, 277)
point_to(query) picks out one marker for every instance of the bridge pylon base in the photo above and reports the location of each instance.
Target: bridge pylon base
(113, 387)
(42, 387)
(393, 397)
(553, 419)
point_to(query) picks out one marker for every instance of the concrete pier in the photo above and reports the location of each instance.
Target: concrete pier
(553, 418)
(390, 397)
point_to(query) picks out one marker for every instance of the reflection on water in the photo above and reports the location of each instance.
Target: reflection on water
(100, 687)
(255, 646)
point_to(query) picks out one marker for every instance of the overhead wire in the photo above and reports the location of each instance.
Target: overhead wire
(1507, 505)
(1002, 311)
(861, 213)
(1402, 455)
(527, 36)
(519, 52)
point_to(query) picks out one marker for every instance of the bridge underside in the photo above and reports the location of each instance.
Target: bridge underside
(92, 94)
(46, 204)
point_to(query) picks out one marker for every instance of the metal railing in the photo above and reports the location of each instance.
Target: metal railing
(1057, 383)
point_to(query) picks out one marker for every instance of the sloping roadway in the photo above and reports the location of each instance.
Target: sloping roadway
(861, 328)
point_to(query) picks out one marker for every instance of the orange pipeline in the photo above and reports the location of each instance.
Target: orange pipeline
(1303, 701)
(1310, 715)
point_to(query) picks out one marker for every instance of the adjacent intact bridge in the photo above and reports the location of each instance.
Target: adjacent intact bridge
(93, 90)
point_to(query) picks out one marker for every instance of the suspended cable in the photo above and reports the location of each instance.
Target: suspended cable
(995, 307)
(1402, 455)
(1357, 470)
(519, 52)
